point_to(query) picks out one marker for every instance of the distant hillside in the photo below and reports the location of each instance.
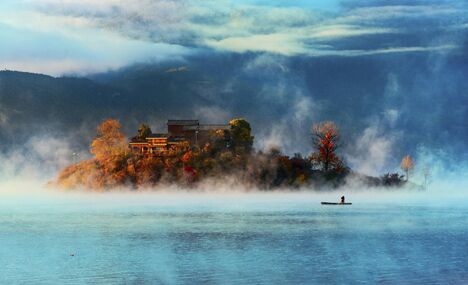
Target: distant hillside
(32, 104)
(280, 97)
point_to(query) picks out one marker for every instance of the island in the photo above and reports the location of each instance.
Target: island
(189, 153)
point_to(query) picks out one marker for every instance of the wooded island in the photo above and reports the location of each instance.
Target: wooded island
(189, 153)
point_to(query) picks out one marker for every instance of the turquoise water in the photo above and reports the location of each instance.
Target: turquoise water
(245, 239)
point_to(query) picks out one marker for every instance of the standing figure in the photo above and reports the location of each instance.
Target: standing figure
(342, 199)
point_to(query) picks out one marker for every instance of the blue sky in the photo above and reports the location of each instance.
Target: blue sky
(71, 36)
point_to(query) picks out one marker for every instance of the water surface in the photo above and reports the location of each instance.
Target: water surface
(233, 239)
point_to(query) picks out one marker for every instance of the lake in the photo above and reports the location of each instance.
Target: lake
(180, 238)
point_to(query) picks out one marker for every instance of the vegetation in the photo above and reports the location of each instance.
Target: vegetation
(228, 153)
(325, 139)
(143, 132)
(393, 179)
(110, 142)
(407, 165)
(241, 138)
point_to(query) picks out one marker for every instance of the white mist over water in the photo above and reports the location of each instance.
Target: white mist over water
(24, 177)
(228, 197)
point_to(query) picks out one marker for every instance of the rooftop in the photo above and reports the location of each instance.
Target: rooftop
(183, 122)
(176, 139)
(157, 135)
(206, 127)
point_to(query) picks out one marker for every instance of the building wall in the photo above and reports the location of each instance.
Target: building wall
(175, 130)
(190, 136)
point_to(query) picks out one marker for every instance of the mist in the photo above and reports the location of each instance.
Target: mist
(27, 170)
(25, 176)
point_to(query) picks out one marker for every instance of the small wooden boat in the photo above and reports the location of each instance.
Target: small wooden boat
(335, 203)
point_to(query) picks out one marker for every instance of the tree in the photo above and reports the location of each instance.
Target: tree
(241, 137)
(143, 132)
(109, 141)
(325, 137)
(218, 140)
(427, 176)
(407, 165)
(392, 179)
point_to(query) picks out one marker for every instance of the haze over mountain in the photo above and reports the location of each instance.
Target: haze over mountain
(391, 74)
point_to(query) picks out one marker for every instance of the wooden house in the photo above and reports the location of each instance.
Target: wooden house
(178, 132)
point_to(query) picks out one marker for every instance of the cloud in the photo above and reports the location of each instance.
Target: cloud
(114, 31)
(60, 38)
(212, 114)
(275, 43)
(115, 59)
(392, 12)
(158, 20)
(79, 52)
(58, 67)
(253, 29)
(343, 31)
(440, 48)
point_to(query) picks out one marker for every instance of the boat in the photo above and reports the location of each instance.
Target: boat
(335, 203)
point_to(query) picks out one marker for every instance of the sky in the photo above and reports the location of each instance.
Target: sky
(59, 37)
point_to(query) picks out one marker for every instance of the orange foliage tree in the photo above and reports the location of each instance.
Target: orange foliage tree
(109, 141)
(325, 139)
(407, 165)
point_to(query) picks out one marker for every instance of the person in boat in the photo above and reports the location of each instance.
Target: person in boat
(342, 199)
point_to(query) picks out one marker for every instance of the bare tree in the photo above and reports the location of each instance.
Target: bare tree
(427, 176)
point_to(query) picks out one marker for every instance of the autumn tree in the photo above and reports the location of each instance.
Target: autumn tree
(241, 137)
(325, 139)
(407, 165)
(109, 141)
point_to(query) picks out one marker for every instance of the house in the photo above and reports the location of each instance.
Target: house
(178, 132)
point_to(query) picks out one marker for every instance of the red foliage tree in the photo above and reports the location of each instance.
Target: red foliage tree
(325, 138)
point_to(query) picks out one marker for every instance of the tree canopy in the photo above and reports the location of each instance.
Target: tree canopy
(144, 131)
(407, 165)
(227, 154)
(109, 141)
(326, 137)
(241, 138)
